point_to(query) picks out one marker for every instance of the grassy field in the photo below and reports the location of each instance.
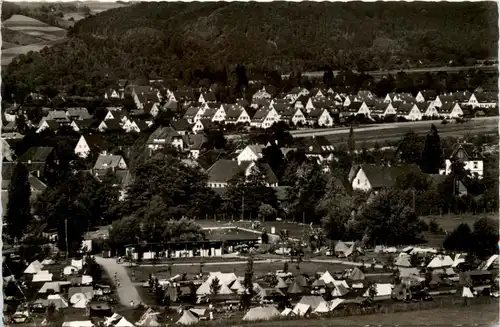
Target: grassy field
(11, 53)
(295, 230)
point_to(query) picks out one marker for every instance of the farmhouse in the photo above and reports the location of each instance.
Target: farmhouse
(371, 177)
(224, 170)
(467, 154)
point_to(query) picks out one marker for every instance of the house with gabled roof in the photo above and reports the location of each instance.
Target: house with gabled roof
(364, 96)
(402, 97)
(261, 94)
(372, 177)
(356, 108)
(293, 116)
(319, 148)
(462, 97)
(201, 125)
(110, 125)
(151, 108)
(260, 103)
(264, 118)
(193, 114)
(235, 115)
(450, 110)
(426, 95)
(108, 162)
(164, 136)
(324, 103)
(319, 93)
(441, 99)
(483, 100)
(382, 109)
(209, 114)
(469, 155)
(79, 113)
(251, 152)
(296, 93)
(181, 126)
(222, 171)
(48, 124)
(348, 101)
(120, 116)
(427, 109)
(36, 158)
(113, 93)
(219, 115)
(82, 125)
(207, 97)
(279, 106)
(409, 111)
(58, 115)
(91, 142)
(320, 117)
(194, 143)
(172, 106)
(185, 95)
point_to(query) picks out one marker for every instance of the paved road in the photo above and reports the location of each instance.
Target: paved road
(127, 291)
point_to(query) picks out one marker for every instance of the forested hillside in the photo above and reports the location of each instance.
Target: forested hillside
(174, 39)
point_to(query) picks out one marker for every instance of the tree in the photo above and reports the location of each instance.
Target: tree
(264, 237)
(389, 219)
(215, 139)
(410, 148)
(215, 287)
(460, 239)
(351, 145)
(273, 156)
(432, 152)
(485, 236)
(266, 211)
(246, 297)
(18, 207)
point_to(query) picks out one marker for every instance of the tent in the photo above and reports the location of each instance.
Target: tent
(257, 288)
(340, 248)
(356, 274)
(187, 318)
(237, 287)
(295, 288)
(301, 280)
(407, 272)
(86, 280)
(459, 258)
(82, 303)
(225, 290)
(327, 306)
(85, 323)
(261, 313)
(466, 292)
(69, 270)
(440, 261)
(491, 260)
(33, 267)
(224, 278)
(341, 282)
(312, 301)
(48, 262)
(54, 286)
(113, 319)
(78, 264)
(124, 323)
(198, 311)
(57, 300)
(327, 278)
(287, 312)
(301, 309)
(88, 291)
(42, 277)
(382, 290)
(403, 261)
(319, 283)
(339, 290)
(281, 283)
(76, 297)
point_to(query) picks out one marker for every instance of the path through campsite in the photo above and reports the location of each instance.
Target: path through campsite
(127, 291)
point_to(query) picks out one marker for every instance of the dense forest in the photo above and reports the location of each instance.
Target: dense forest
(175, 39)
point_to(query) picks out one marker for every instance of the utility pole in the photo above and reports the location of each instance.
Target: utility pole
(243, 205)
(66, 236)
(414, 201)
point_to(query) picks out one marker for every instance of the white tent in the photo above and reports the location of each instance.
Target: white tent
(42, 277)
(78, 264)
(82, 303)
(459, 258)
(466, 292)
(301, 309)
(440, 261)
(281, 283)
(76, 297)
(489, 262)
(224, 289)
(198, 311)
(382, 290)
(69, 270)
(57, 300)
(33, 267)
(47, 262)
(55, 286)
(403, 261)
(85, 323)
(187, 318)
(111, 320)
(327, 306)
(339, 290)
(407, 249)
(261, 313)
(287, 312)
(417, 250)
(327, 278)
(237, 287)
(224, 278)
(124, 323)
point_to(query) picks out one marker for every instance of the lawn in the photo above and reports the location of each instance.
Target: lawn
(295, 230)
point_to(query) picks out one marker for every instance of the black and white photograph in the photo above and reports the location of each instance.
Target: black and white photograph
(249, 163)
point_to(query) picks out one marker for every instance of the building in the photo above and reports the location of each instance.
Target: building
(264, 118)
(371, 177)
(221, 172)
(469, 155)
(88, 143)
(162, 137)
(251, 153)
(37, 158)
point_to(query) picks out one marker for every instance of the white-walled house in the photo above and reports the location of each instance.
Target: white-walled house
(264, 118)
(293, 116)
(450, 110)
(372, 177)
(320, 117)
(221, 172)
(87, 143)
(469, 155)
(358, 108)
(428, 109)
(220, 115)
(483, 100)
(426, 95)
(382, 110)
(164, 136)
(237, 115)
(251, 153)
(409, 111)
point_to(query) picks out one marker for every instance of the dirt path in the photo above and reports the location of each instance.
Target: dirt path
(127, 291)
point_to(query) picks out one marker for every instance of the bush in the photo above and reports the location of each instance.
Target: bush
(434, 226)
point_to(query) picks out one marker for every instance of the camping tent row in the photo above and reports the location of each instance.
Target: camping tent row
(342, 250)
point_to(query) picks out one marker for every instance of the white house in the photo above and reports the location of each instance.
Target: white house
(113, 94)
(163, 136)
(293, 116)
(237, 115)
(201, 125)
(47, 124)
(426, 95)
(359, 108)
(428, 109)
(348, 100)
(321, 117)
(450, 110)
(220, 115)
(207, 97)
(261, 94)
(264, 118)
(469, 155)
(82, 148)
(251, 153)
(382, 110)
(483, 100)
(409, 111)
